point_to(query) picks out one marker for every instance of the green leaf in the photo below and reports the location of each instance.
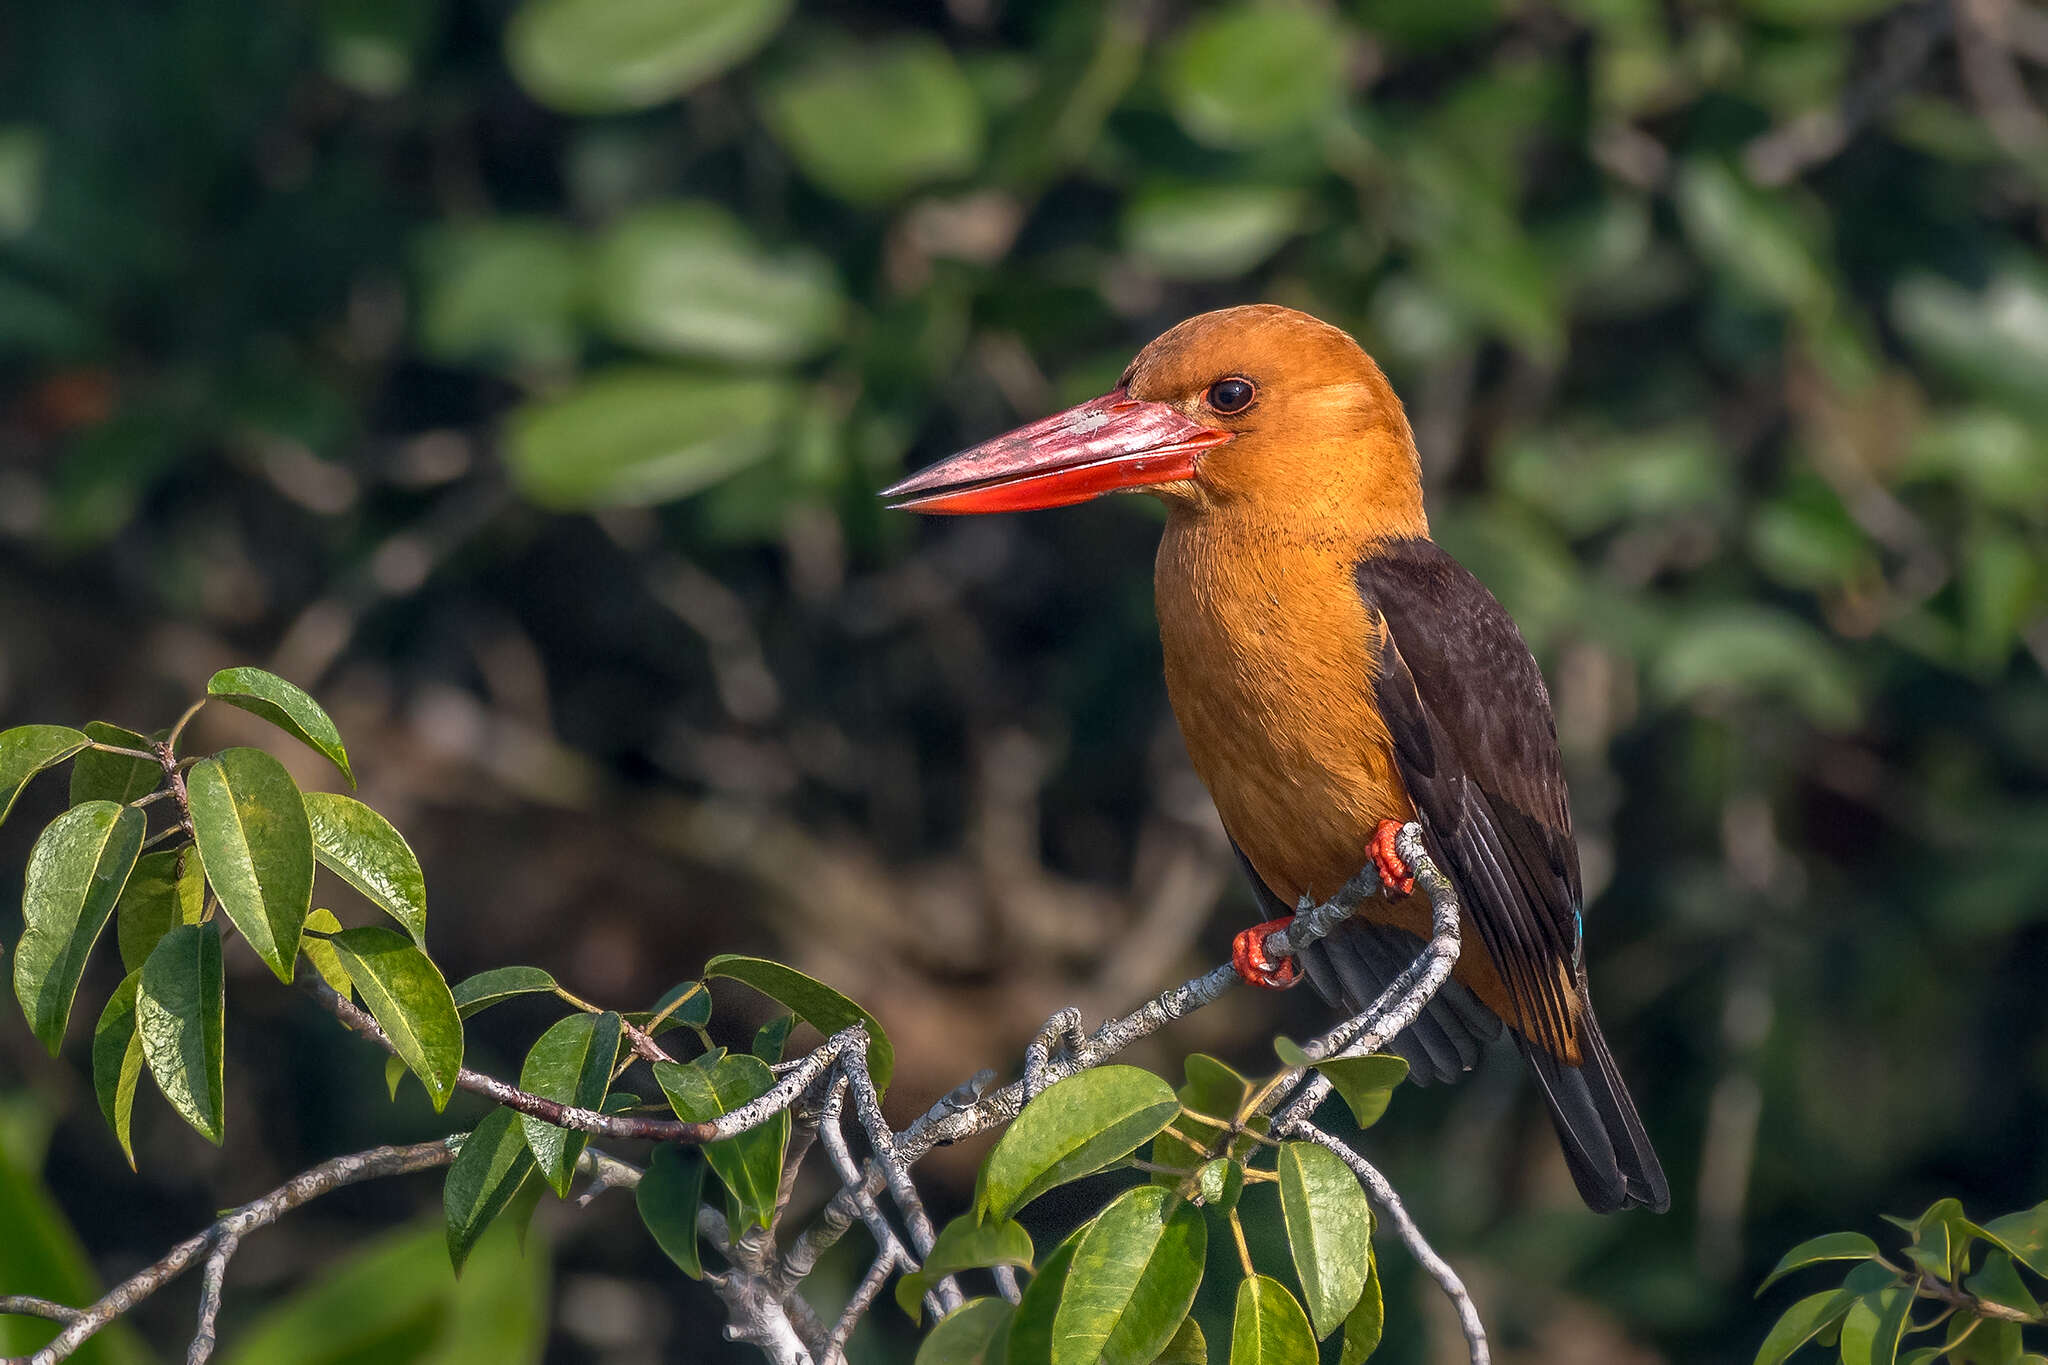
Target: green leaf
(1367, 1321)
(1252, 73)
(1366, 1083)
(1999, 1283)
(1873, 1326)
(872, 123)
(501, 291)
(360, 846)
(1802, 1322)
(1188, 1347)
(1758, 652)
(1212, 1088)
(1132, 1280)
(668, 1197)
(640, 435)
(1938, 1235)
(1220, 1183)
(605, 56)
(1329, 1231)
(493, 1163)
(28, 749)
(964, 1244)
(812, 1001)
(1073, 1128)
(475, 994)
(1199, 232)
(283, 705)
(2024, 1235)
(772, 1037)
(320, 952)
(75, 874)
(180, 1010)
(750, 1163)
(1831, 1246)
(256, 845)
(1269, 1327)
(687, 1005)
(97, 776)
(166, 889)
(1031, 1329)
(394, 1075)
(571, 1063)
(117, 1062)
(1988, 1341)
(688, 279)
(971, 1334)
(410, 1001)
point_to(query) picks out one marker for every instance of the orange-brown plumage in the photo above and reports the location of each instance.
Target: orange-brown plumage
(1332, 669)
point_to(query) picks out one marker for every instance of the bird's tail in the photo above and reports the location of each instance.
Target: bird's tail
(1610, 1155)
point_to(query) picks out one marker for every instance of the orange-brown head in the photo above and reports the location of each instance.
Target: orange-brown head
(1259, 411)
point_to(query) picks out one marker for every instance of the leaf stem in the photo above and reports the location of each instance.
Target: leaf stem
(1244, 1252)
(171, 740)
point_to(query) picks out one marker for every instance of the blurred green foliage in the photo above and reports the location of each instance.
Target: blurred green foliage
(1724, 328)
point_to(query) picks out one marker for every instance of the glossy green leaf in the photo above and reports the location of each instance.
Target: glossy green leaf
(964, 1244)
(1366, 1084)
(180, 1013)
(405, 992)
(750, 1163)
(256, 845)
(1250, 73)
(688, 279)
(1030, 1340)
(1997, 1282)
(772, 1038)
(633, 436)
(1329, 1231)
(871, 123)
(394, 1301)
(28, 749)
(605, 56)
(1220, 1182)
(1368, 1320)
(668, 1196)
(361, 846)
(1802, 1322)
(97, 776)
(812, 1001)
(1938, 1234)
(1269, 1327)
(283, 705)
(75, 874)
(972, 1334)
(117, 1062)
(320, 952)
(1072, 1129)
(1132, 1280)
(478, 993)
(1831, 1246)
(2024, 1235)
(687, 1005)
(493, 1163)
(571, 1063)
(166, 889)
(1214, 1088)
(1873, 1325)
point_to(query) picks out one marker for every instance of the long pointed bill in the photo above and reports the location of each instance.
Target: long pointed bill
(1112, 443)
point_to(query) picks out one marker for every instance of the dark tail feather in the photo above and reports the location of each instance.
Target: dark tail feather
(1610, 1155)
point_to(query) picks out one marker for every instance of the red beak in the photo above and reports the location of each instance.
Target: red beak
(1111, 443)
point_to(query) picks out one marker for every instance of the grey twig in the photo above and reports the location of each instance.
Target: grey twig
(212, 1282)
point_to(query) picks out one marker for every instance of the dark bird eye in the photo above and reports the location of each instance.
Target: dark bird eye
(1232, 395)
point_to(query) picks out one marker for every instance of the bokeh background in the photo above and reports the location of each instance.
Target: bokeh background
(517, 378)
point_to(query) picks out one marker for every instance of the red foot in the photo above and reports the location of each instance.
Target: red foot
(1395, 873)
(1248, 955)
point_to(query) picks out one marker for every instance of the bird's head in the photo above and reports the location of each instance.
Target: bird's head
(1258, 411)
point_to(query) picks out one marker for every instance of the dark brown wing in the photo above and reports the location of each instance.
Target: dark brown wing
(1477, 747)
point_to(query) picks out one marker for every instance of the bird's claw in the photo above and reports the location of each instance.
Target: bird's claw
(1395, 874)
(1248, 955)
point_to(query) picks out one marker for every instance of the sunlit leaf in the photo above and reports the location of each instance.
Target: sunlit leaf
(1030, 1339)
(1367, 1321)
(486, 1174)
(1073, 1128)
(964, 1244)
(971, 1334)
(1203, 231)
(749, 1163)
(1831, 1246)
(249, 821)
(180, 1014)
(117, 1062)
(571, 1063)
(97, 776)
(1188, 1347)
(1249, 73)
(478, 993)
(871, 123)
(1269, 1327)
(1802, 1322)
(1132, 1280)
(361, 846)
(283, 705)
(1329, 1231)
(166, 889)
(604, 56)
(320, 952)
(812, 1001)
(1873, 1325)
(406, 994)
(2024, 1235)
(75, 874)
(28, 749)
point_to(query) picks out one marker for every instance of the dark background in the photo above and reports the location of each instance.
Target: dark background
(517, 378)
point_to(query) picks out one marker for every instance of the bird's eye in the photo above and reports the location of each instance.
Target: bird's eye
(1232, 395)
